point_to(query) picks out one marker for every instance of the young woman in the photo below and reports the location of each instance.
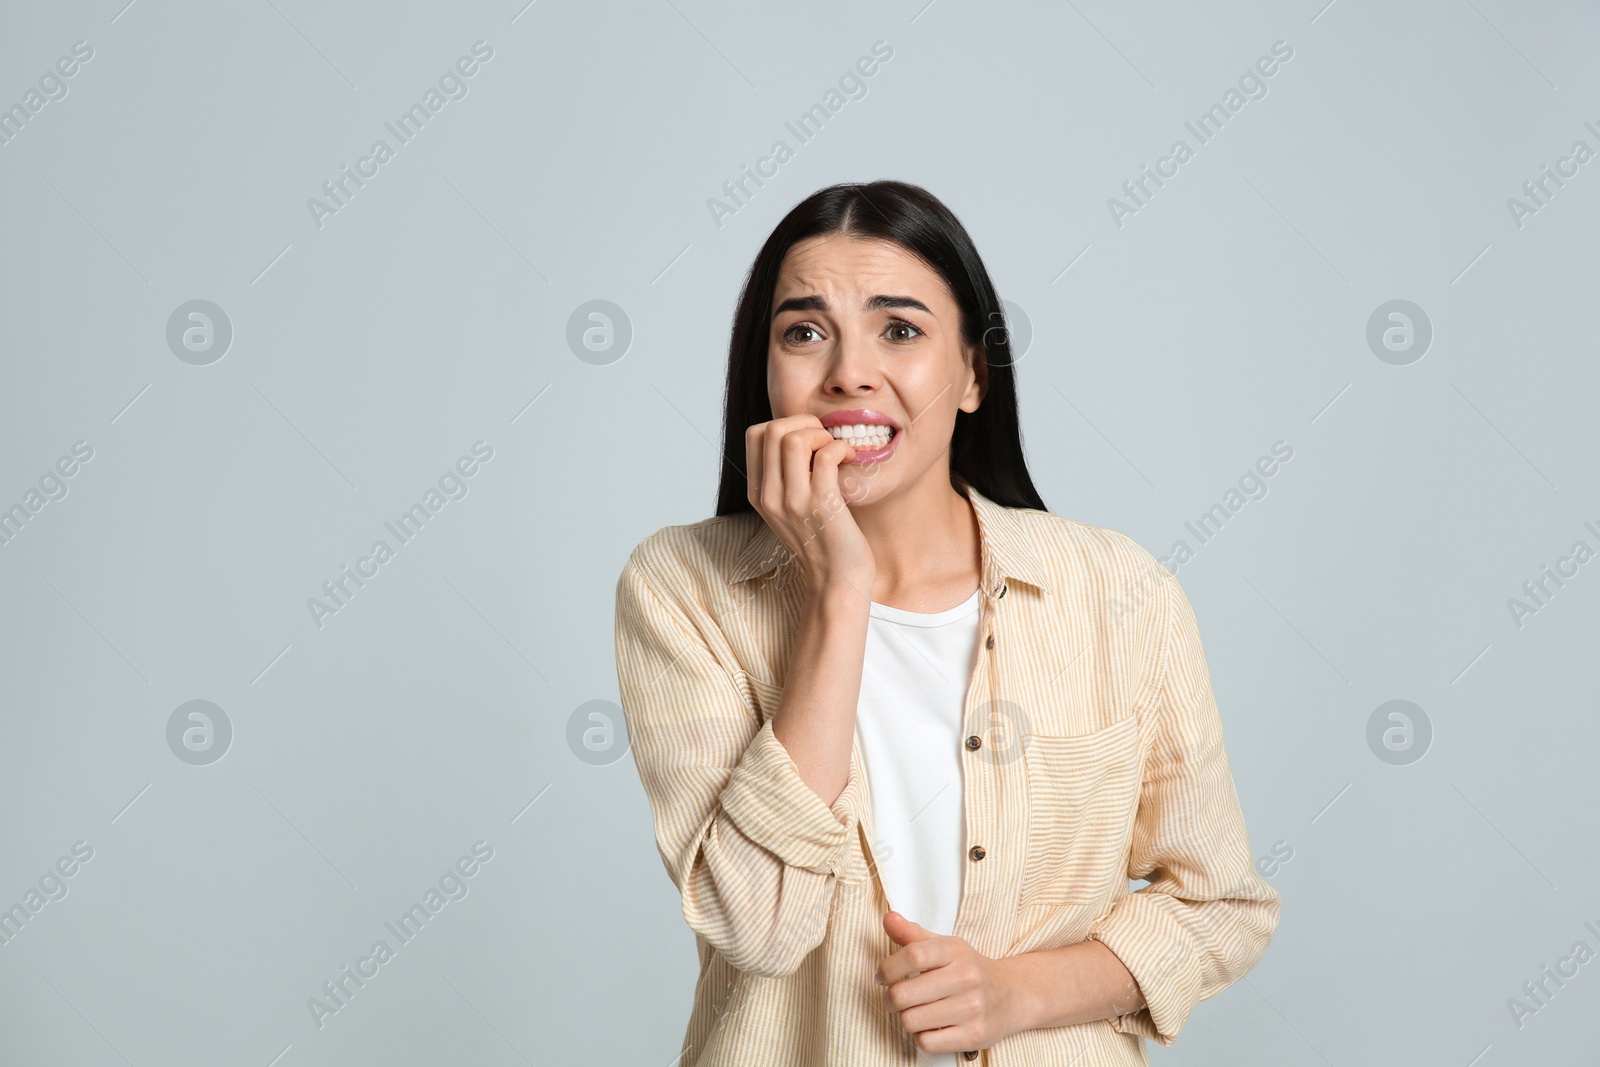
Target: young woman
(906, 735)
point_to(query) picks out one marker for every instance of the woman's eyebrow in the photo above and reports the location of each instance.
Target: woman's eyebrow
(816, 303)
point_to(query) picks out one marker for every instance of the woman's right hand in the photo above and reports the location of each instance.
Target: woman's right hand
(793, 466)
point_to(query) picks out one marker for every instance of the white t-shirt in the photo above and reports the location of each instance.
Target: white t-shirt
(914, 683)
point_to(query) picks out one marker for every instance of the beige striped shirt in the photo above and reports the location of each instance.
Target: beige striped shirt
(1099, 758)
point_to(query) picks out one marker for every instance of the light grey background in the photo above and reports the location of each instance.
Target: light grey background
(431, 312)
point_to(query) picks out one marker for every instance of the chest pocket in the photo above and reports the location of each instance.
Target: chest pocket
(1083, 792)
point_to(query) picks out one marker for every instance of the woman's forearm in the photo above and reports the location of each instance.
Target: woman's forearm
(1073, 984)
(816, 718)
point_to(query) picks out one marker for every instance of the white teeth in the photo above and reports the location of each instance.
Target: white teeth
(860, 433)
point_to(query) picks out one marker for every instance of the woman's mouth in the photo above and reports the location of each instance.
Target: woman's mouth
(873, 444)
(863, 435)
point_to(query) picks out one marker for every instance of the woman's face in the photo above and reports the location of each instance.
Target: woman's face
(863, 325)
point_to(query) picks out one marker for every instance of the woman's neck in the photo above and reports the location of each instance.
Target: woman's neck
(925, 546)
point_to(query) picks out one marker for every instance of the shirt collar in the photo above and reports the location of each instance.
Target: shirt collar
(1004, 547)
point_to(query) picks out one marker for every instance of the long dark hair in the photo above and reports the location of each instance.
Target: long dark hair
(986, 447)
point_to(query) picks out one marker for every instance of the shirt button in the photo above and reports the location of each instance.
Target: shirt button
(977, 852)
(974, 742)
(1001, 595)
(970, 1055)
(989, 643)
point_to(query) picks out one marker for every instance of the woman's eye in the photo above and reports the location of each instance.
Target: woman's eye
(792, 334)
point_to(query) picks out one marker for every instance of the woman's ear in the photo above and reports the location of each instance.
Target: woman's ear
(978, 364)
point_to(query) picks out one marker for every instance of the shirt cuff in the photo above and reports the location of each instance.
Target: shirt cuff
(1156, 949)
(775, 808)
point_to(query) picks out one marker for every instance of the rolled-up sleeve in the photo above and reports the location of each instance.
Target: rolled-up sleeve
(774, 807)
(1207, 915)
(752, 849)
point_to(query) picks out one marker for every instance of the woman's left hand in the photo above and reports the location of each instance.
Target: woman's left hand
(961, 999)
